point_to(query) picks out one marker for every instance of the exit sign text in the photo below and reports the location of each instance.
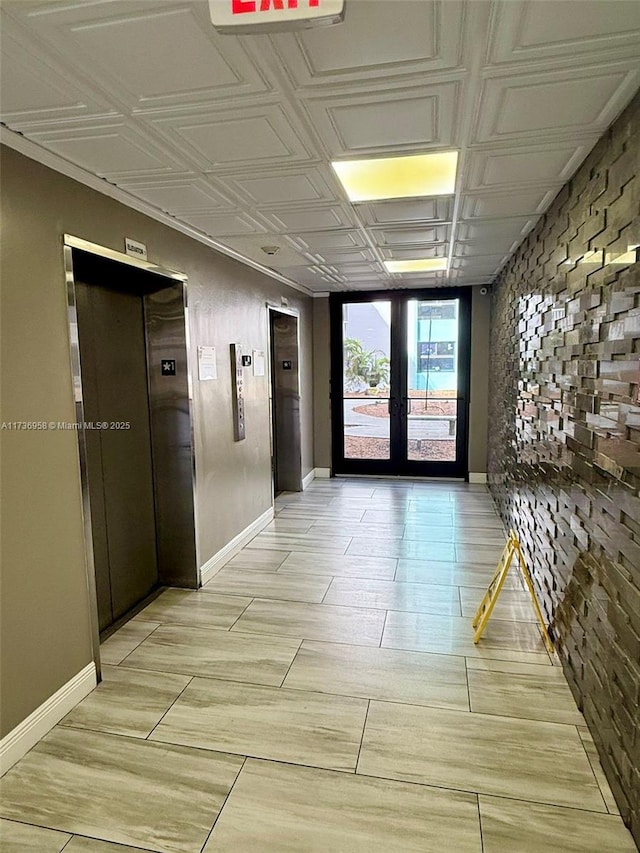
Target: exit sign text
(252, 16)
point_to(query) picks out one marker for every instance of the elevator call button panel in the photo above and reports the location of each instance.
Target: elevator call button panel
(237, 387)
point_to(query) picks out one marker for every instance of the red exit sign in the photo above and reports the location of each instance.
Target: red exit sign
(256, 16)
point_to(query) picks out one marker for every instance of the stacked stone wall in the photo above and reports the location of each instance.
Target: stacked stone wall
(564, 456)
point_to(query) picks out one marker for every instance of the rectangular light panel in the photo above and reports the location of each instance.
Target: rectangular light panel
(417, 265)
(399, 177)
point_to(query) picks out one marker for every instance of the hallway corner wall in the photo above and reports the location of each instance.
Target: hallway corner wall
(479, 380)
(45, 609)
(321, 383)
(564, 449)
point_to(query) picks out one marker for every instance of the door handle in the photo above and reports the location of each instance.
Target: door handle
(408, 399)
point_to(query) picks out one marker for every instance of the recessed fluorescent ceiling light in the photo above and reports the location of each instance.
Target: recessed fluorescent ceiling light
(418, 265)
(399, 177)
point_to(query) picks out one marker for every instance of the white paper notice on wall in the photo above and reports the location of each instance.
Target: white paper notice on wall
(258, 362)
(207, 366)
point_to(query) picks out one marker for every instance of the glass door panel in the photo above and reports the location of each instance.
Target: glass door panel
(432, 379)
(399, 380)
(366, 372)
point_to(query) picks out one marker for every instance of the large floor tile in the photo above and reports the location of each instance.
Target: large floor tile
(125, 640)
(275, 808)
(594, 759)
(409, 549)
(489, 554)
(23, 838)
(496, 665)
(79, 844)
(477, 576)
(119, 789)
(287, 587)
(126, 702)
(266, 722)
(509, 826)
(325, 515)
(413, 677)
(453, 533)
(477, 752)
(288, 525)
(300, 542)
(340, 566)
(313, 622)
(512, 604)
(187, 607)
(453, 635)
(350, 528)
(391, 595)
(254, 558)
(216, 654)
(533, 696)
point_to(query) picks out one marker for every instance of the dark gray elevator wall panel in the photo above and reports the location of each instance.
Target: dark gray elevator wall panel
(171, 437)
(286, 402)
(94, 458)
(116, 392)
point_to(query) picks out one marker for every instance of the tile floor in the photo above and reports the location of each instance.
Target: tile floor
(323, 692)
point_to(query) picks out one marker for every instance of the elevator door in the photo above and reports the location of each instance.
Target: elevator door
(120, 474)
(287, 461)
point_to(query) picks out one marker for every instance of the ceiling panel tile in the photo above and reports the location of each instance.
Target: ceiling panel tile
(408, 254)
(311, 217)
(487, 264)
(526, 31)
(389, 121)
(109, 149)
(496, 245)
(423, 279)
(179, 197)
(525, 166)
(183, 58)
(480, 229)
(506, 204)
(225, 224)
(35, 89)
(232, 138)
(376, 39)
(409, 210)
(413, 236)
(331, 239)
(539, 105)
(280, 186)
(338, 257)
(251, 247)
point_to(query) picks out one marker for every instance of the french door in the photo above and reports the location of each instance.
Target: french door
(400, 382)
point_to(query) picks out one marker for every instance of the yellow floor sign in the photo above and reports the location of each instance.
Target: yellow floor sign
(511, 549)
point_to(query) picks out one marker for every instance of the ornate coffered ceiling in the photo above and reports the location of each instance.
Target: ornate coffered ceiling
(232, 136)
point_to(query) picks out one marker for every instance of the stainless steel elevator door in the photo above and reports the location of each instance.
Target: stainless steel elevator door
(287, 462)
(115, 391)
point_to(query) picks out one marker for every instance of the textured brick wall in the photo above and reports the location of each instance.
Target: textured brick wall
(564, 458)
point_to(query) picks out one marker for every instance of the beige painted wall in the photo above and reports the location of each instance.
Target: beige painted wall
(45, 622)
(478, 403)
(321, 383)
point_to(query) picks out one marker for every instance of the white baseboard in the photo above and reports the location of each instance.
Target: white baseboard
(27, 733)
(306, 481)
(478, 478)
(322, 473)
(238, 542)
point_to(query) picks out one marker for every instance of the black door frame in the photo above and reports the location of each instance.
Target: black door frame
(397, 465)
